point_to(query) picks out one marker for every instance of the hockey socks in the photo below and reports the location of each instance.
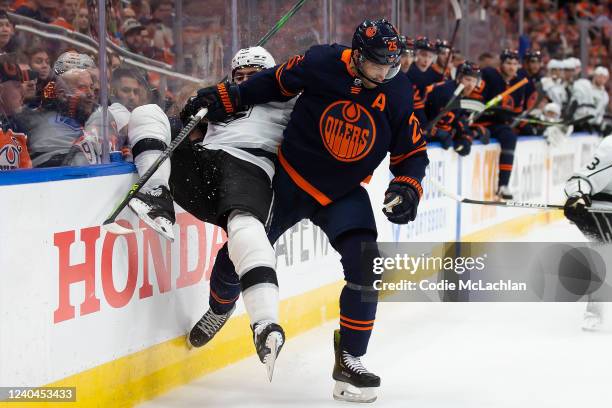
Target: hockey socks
(224, 284)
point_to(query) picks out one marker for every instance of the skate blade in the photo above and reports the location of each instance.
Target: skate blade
(117, 229)
(273, 343)
(141, 209)
(346, 392)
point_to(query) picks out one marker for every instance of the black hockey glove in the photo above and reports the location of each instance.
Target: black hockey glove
(222, 100)
(575, 208)
(462, 144)
(401, 200)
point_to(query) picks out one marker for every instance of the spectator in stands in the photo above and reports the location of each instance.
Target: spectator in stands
(7, 34)
(11, 94)
(13, 144)
(161, 14)
(128, 87)
(131, 30)
(68, 101)
(28, 84)
(141, 8)
(41, 10)
(38, 58)
(67, 13)
(81, 21)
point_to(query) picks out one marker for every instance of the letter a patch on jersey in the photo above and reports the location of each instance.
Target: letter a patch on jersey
(380, 102)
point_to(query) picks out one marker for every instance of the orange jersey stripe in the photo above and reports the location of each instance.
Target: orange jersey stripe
(302, 182)
(278, 74)
(221, 300)
(357, 321)
(505, 167)
(355, 327)
(397, 159)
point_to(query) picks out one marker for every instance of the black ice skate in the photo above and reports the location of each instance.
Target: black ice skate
(207, 327)
(354, 383)
(156, 209)
(269, 338)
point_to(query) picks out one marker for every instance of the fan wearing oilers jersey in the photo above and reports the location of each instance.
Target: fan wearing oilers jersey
(592, 187)
(352, 110)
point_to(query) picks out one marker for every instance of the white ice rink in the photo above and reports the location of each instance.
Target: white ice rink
(436, 355)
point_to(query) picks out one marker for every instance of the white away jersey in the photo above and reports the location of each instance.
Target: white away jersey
(260, 127)
(595, 177)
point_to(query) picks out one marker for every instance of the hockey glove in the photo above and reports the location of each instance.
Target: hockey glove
(481, 133)
(222, 100)
(444, 137)
(575, 208)
(462, 145)
(402, 200)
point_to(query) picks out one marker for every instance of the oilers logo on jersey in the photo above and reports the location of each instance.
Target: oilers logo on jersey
(348, 130)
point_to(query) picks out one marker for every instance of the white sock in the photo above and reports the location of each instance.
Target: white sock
(261, 302)
(144, 161)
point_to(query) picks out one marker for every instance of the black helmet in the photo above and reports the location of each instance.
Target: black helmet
(441, 44)
(408, 44)
(533, 55)
(508, 54)
(423, 43)
(378, 41)
(468, 68)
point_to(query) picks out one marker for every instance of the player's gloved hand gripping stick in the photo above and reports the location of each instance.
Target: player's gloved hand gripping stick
(221, 93)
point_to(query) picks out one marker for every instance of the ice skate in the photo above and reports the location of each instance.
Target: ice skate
(207, 327)
(591, 322)
(156, 208)
(269, 338)
(504, 194)
(354, 383)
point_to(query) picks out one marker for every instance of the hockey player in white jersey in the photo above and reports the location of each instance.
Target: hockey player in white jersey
(553, 84)
(601, 75)
(590, 99)
(592, 186)
(236, 159)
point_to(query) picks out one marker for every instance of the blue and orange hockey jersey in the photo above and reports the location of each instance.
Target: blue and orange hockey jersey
(340, 131)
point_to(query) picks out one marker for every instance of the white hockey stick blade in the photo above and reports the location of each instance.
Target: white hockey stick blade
(117, 229)
(456, 9)
(472, 105)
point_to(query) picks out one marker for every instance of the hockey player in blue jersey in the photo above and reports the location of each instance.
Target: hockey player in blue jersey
(452, 129)
(443, 54)
(494, 82)
(421, 73)
(352, 110)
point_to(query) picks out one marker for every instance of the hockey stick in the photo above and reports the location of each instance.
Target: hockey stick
(517, 204)
(541, 96)
(471, 105)
(281, 22)
(110, 224)
(497, 99)
(458, 16)
(561, 123)
(449, 106)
